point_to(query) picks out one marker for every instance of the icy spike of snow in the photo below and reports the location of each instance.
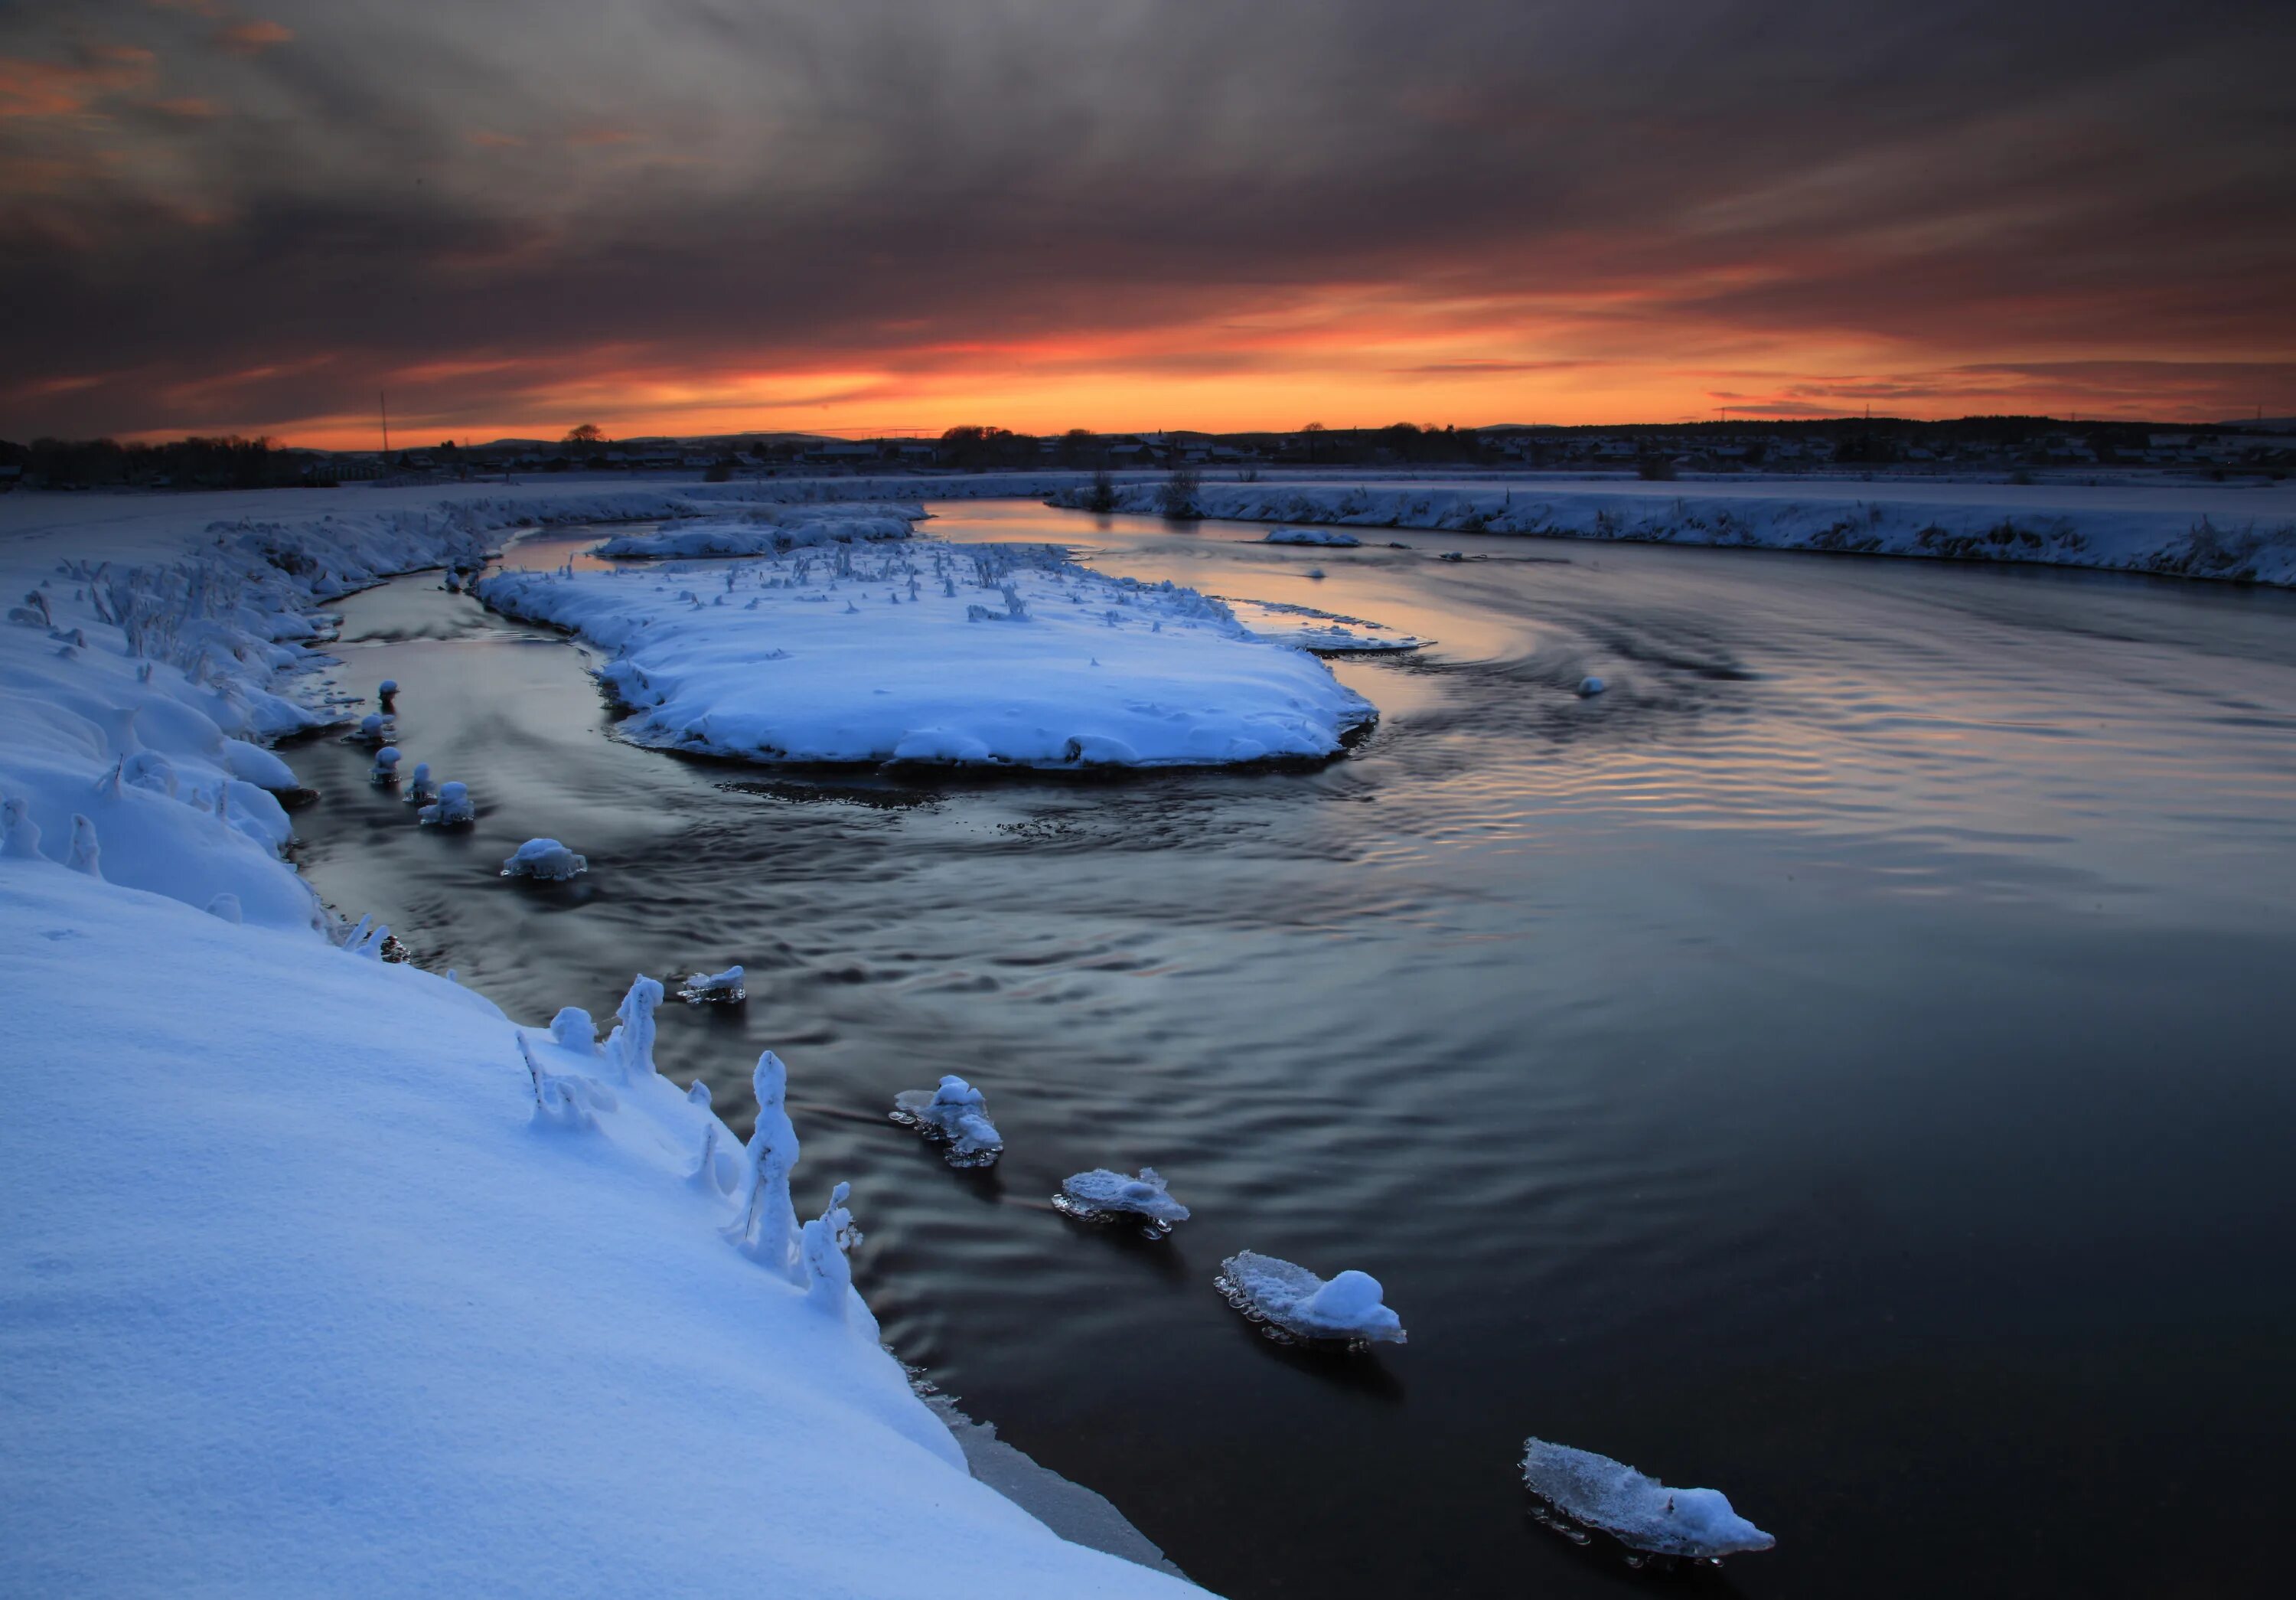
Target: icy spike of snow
(1291, 1299)
(544, 858)
(632, 1043)
(1100, 1193)
(955, 1114)
(767, 1227)
(559, 1102)
(720, 989)
(829, 1275)
(1638, 1511)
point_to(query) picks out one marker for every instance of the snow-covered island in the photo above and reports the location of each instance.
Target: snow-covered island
(936, 653)
(319, 1272)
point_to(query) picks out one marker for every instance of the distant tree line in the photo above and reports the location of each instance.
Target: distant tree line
(223, 461)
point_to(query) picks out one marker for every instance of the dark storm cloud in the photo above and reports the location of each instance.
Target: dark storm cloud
(212, 211)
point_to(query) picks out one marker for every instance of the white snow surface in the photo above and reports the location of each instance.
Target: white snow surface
(1348, 1306)
(767, 530)
(932, 653)
(305, 1280)
(1638, 1510)
(311, 1296)
(2191, 530)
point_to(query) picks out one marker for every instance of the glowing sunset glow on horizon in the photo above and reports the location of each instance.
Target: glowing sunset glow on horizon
(1130, 216)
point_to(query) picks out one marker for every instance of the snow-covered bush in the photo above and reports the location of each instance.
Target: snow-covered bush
(1581, 1488)
(1291, 1303)
(723, 988)
(955, 1114)
(20, 835)
(544, 858)
(1100, 1194)
(85, 855)
(827, 1239)
(452, 809)
(630, 1047)
(766, 1228)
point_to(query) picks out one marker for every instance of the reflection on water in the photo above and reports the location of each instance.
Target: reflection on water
(1842, 1064)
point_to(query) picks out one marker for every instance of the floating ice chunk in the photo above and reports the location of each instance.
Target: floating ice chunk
(374, 728)
(1638, 1511)
(544, 858)
(722, 989)
(955, 1114)
(1100, 1193)
(1314, 572)
(1310, 536)
(1589, 687)
(85, 855)
(20, 835)
(386, 765)
(1295, 1301)
(419, 791)
(452, 809)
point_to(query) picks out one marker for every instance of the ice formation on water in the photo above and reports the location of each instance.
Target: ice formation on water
(1291, 1303)
(374, 728)
(955, 1114)
(1589, 687)
(1638, 1511)
(766, 1228)
(419, 791)
(1310, 536)
(85, 855)
(386, 765)
(723, 988)
(386, 691)
(452, 809)
(544, 858)
(20, 835)
(1100, 1194)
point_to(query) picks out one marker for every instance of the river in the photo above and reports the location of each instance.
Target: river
(1846, 1064)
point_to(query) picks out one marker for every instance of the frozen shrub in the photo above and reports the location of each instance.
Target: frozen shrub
(766, 1228)
(630, 1047)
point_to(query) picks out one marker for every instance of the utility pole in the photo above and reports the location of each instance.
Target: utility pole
(382, 400)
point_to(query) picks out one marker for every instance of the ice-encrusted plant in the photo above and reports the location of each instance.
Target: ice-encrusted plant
(766, 1228)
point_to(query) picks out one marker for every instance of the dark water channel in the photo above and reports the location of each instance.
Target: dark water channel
(1848, 1064)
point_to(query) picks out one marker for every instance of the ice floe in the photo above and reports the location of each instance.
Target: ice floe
(1100, 1194)
(1330, 538)
(954, 1115)
(1292, 1303)
(544, 858)
(1637, 1510)
(720, 988)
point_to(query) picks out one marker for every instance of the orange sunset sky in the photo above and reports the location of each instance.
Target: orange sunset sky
(684, 217)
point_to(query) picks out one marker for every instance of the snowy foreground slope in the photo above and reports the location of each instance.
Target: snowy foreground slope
(2186, 530)
(297, 1295)
(941, 654)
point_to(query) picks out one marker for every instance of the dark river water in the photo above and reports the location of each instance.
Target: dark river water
(1848, 1064)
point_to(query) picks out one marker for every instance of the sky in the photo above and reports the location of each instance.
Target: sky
(876, 216)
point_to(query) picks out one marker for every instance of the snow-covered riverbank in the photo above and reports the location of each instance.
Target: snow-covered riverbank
(2195, 531)
(303, 1283)
(992, 654)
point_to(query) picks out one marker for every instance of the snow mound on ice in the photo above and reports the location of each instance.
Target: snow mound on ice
(1638, 1511)
(544, 858)
(1293, 1299)
(955, 1114)
(921, 652)
(720, 988)
(452, 809)
(1090, 1196)
(1325, 537)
